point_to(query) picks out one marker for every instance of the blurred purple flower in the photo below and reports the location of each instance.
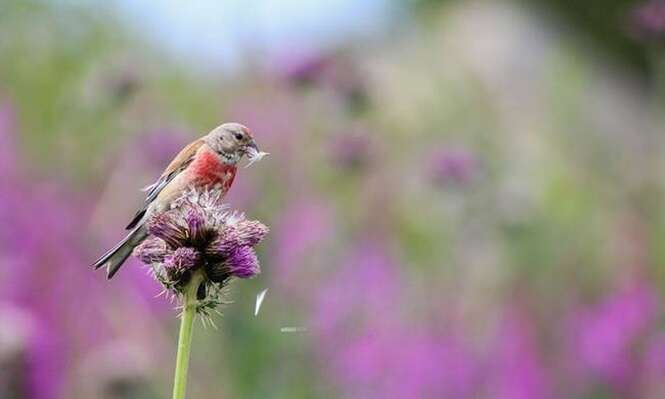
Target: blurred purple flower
(305, 69)
(370, 351)
(603, 335)
(516, 370)
(48, 258)
(453, 166)
(335, 72)
(30, 365)
(403, 363)
(351, 151)
(648, 20)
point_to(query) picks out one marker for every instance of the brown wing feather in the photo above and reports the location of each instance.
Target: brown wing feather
(179, 163)
(184, 156)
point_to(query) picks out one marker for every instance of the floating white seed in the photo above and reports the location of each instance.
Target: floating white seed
(259, 301)
(292, 329)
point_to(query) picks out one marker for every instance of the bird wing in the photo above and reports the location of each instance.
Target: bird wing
(179, 163)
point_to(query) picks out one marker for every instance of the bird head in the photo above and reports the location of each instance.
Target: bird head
(232, 141)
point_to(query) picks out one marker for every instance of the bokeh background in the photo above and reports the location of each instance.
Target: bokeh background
(466, 197)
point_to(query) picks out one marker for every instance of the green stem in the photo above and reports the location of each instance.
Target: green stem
(185, 337)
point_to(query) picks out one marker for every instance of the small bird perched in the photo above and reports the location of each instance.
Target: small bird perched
(209, 162)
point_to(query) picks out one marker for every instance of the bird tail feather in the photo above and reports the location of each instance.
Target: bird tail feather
(114, 258)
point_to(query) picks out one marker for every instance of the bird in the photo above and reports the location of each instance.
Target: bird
(208, 162)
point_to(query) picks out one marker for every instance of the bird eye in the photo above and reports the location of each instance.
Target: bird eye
(238, 136)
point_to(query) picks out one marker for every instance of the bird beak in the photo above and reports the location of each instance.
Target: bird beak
(253, 153)
(252, 147)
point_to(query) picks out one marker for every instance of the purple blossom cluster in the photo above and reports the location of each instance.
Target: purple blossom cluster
(201, 233)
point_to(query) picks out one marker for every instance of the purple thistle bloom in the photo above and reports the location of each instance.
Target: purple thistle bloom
(245, 233)
(152, 250)
(166, 228)
(250, 232)
(195, 225)
(242, 263)
(182, 259)
(200, 233)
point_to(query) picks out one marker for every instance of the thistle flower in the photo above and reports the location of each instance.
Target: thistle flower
(153, 250)
(201, 234)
